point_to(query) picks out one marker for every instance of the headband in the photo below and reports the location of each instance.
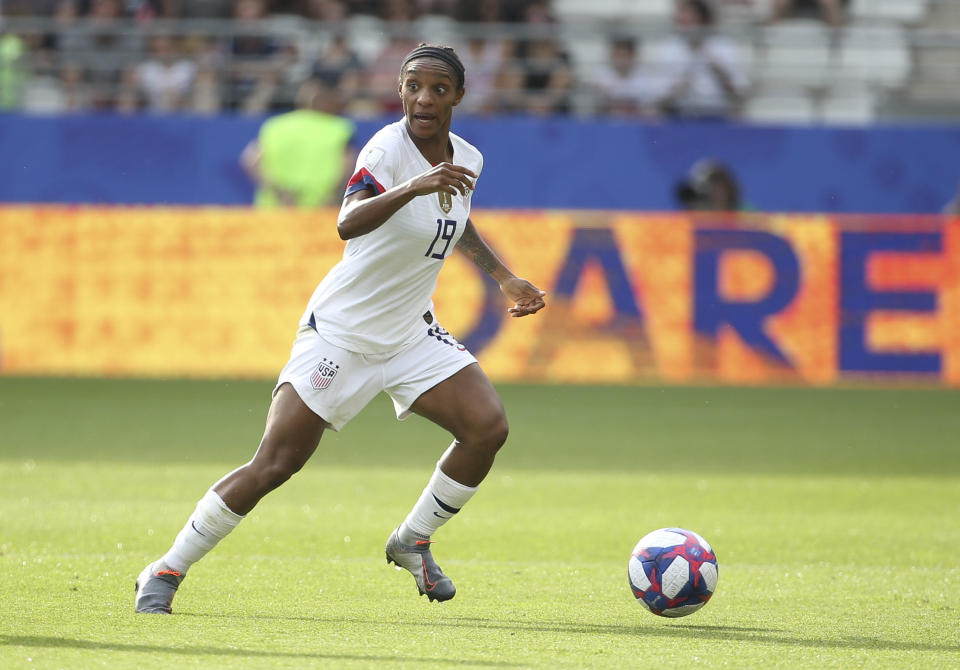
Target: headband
(446, 55)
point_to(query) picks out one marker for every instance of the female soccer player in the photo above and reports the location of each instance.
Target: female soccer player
(370, 327)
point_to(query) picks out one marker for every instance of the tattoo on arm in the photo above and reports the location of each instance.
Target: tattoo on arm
(477, 250)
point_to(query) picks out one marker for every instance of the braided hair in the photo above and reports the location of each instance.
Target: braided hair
(442, 53)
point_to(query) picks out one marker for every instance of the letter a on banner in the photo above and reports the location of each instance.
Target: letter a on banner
(597, 248)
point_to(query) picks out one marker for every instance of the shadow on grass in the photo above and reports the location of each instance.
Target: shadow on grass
(666, 629)
(36, 641)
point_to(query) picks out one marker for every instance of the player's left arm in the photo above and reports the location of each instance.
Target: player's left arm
(527, 298)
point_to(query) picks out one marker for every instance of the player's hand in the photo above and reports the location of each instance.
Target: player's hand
(453, 179)
(527, 298)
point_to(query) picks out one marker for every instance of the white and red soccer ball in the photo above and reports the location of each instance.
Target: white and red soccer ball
(673, 572)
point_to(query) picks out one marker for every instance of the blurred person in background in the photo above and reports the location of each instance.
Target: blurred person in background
(339, 68)
(710, 186)
(624, 85)
(145, 11)
(381, 73)
(78, 94)
(257, 58)
(206, 96)
(300, 158)
(831, 11)
(547, 77)
(63, 38)
(479, 11)
(509, 89)
(101, 53)
(398, 11)
(208, 9)
(483, 59)
(326, 10)
(165, 79)
(699, 71)
(59, 82)
(285, 7)
(26, 7)
(12, 69)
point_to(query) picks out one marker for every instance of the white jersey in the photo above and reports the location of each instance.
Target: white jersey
(374, 301)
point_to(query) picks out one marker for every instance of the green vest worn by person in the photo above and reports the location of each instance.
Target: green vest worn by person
(303, 151)
(11, 76)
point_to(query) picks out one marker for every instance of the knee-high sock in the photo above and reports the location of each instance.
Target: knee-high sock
(210, 522)
(440, 501)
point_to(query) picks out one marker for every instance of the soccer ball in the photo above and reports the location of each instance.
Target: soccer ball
(673, 572)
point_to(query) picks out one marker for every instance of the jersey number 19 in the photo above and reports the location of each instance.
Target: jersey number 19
(445, 231)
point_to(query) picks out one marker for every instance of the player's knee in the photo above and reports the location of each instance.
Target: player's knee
(276, 474)
(271, 474)
(491, 433)
(499, 432)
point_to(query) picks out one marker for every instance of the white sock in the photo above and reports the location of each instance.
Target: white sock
(442, 498)
(210, 522)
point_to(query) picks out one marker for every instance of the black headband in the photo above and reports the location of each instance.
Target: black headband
(446, 55)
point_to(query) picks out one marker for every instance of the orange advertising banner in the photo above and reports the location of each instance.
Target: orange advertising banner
(632, 298)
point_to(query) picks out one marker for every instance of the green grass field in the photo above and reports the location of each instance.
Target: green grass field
(835, 515)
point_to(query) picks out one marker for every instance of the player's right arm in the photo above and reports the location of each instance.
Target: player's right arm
(364, 211)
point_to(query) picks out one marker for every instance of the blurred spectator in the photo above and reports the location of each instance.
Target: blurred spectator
(12, 52)
(699, 73)
(104, 50)
(371, 7)
(208, 9)
(326, 10)
(398, 11)
(832, 11)
(537, 79)
(383, 76)
(301, 158)
(257, 58)
(65, 38)
(482, 59)
(338, 66)
(480, 11)
(160, 9)
(27, 7)
(438, 7)
(165, 79)
(709, 186)
(77, 93)
(290, 7)
(625, 87)
(207, 94)
(537, 12)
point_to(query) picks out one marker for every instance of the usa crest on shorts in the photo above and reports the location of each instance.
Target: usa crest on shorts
(324, 374)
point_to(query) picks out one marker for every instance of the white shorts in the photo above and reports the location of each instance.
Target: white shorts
(337, 383)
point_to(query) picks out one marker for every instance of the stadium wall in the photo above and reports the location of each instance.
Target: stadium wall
(530, 163)
(218, 292)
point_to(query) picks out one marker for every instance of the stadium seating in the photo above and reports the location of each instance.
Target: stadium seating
(904, 11)
(848, 105)
(780, 105)
(796, 51)
(799, 69)
(613, 10)
(875, 54)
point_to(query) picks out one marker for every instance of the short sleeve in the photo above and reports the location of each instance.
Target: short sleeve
(374, 170)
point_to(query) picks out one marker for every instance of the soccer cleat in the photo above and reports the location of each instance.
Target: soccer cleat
(430, 579)
(155, 588)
